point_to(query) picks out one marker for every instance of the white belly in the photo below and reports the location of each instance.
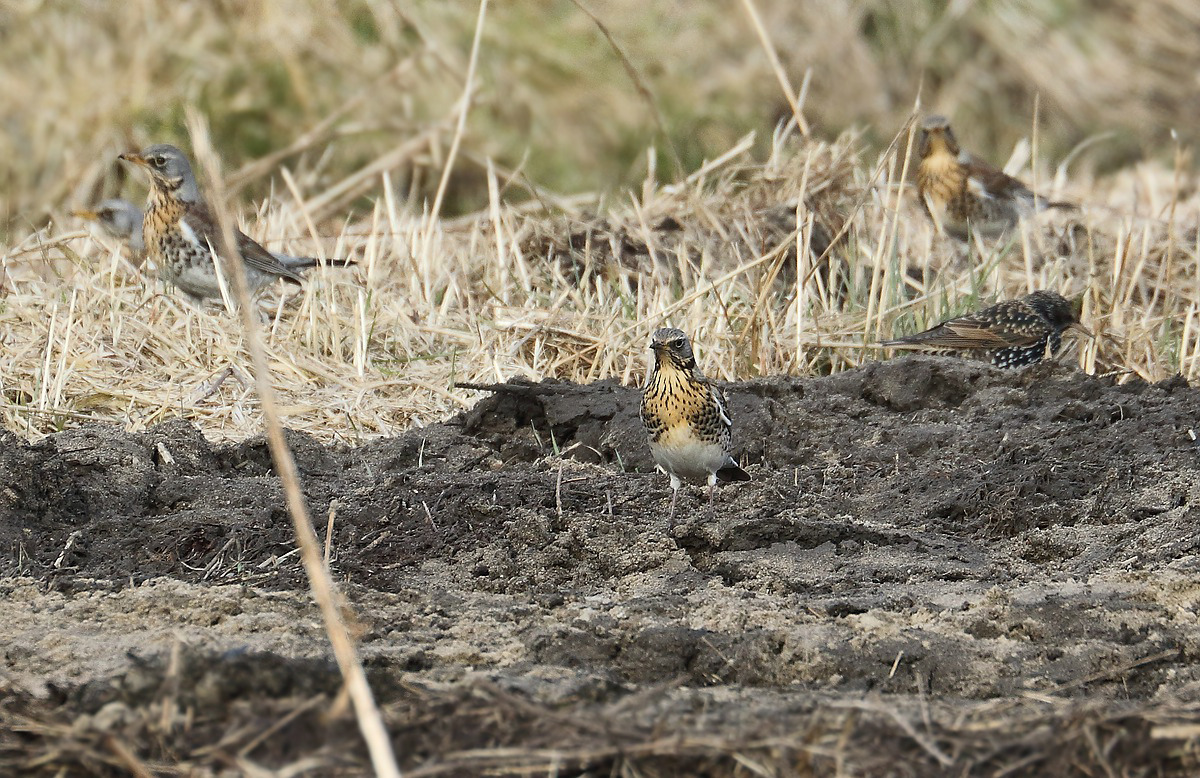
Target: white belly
(684, 456)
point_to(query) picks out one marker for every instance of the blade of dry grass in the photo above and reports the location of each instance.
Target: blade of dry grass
(464, 108)
(370, 721)
(780, 74)
(639, 84)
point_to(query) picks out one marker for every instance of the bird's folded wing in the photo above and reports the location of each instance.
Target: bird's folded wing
(966, 333)
(200, 219)
(973, 334)
(259, 258)
(990, 181)
(722, 406)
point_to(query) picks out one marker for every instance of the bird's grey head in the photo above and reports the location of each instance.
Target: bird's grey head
(119, 218)
(671, 344)
(169, 169)
(935, 132)
(935, 122)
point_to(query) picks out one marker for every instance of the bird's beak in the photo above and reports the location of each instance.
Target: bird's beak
(132, 156)
(1082, 329)
(657, 347)
(89, 215)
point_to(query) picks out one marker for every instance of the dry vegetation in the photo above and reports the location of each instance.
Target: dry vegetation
(345, 122)
(578, 208)
(845, 738)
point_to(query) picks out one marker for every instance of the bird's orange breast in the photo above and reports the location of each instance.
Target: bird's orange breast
(939, 179)
(673, 400)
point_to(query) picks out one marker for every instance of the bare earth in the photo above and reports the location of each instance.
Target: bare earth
(939, 569)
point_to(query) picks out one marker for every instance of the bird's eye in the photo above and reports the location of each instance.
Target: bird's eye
(677, 344)
(158, 161)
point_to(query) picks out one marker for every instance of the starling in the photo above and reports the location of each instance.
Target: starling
(687, 419)
(963, 194)
(1018, 332)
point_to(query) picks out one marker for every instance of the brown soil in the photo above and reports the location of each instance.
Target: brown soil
(938, 569)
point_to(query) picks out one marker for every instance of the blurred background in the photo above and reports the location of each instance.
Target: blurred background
(336, 86)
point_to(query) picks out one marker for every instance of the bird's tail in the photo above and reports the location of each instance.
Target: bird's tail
(304, 263)
(916, 338)
(732, 472)
(1044, 205)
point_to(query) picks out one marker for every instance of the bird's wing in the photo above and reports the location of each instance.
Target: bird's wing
(988, 335)
(201, 221)
(722, 405)
(730, 471)
(965, 332)
(987, 180)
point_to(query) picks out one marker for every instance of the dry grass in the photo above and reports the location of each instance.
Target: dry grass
(574, 295)
(93, 78)
(343, 132)
(481, 729)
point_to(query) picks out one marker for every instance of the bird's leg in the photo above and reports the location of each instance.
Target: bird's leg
(712, 489)
(675, 484)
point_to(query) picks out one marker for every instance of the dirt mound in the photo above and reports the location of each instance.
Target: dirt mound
(939, 568)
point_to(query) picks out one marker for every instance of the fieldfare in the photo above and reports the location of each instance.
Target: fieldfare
(687, 419)
(1018, 332)
(119, 218)
(181, 234)
(963, 194)
(123, 220)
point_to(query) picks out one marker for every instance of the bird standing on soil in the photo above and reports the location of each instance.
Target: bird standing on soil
(962, 194)
(181, 234)
(121, 219)
(687, 419)
(1019, 332)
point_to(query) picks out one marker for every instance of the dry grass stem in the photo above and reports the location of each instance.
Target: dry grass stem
(464, 108)
(370, 722)
(796, 104)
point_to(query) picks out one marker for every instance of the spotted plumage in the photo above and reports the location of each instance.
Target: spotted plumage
(1018, 332)
(687, 419)
(180, 232)
(123, 220)
(963, 194)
